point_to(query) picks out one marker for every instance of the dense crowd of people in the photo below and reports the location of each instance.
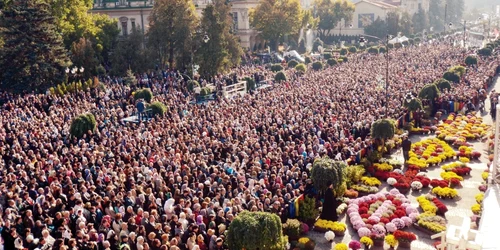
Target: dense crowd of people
(178, 181)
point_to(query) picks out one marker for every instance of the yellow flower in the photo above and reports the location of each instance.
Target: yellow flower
(304, 240)
(367, 241)
(391, 240)
(479, 198)
(451, 175)
(445, 192)
(383, 166)
(371, 181)
(485, 175)
(476, 209)
(464, 159)
(341, 246)
(338, 227)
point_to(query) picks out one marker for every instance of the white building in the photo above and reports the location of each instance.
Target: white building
(412, 6)
(365, 13)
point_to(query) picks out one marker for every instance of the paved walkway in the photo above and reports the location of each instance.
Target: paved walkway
(457, 209)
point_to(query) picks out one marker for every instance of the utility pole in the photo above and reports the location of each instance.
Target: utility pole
(445, 12)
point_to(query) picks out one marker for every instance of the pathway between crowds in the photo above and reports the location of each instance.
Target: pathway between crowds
(457, 209)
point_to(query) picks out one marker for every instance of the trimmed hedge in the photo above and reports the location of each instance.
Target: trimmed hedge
(276, 67)
(301, 67)
(343, 51)
(307, 60)
(331, 62)
(383, 129)
(325, 170)
(382, 50)
(317, 65)
(398, 45)
(158, 109)
(353, 49)
(81, 124)
(373, 50)
(451, 76)
(442, 84)
(485, 51)
(470, 60)
(145, 94)
(292, 64)
(327, 56)
(280, 76)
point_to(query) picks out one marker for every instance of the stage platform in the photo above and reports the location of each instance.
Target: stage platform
(489, 227)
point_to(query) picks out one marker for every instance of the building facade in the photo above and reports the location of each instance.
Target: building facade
(412, 6)
(132, 14)
(365, 13)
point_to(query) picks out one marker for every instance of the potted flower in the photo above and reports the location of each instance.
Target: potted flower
(341, 246)
(330, 236)
(391, 240)
(404, 238)
(403, 186)
(292, 229)
(339, 228)
(366, 241)
(416, 185)
(354, 245)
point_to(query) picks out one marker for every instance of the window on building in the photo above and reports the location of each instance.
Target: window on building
(132, 21)
(419, 6)
(235, 21)
(124, 28)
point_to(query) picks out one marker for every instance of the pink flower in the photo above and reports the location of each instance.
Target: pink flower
(378, 229)
(391, 228)
(363, 231)
(400, 224)
(407, 220)
(414, 216)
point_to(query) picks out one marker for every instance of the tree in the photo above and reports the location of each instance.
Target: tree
(280, 76)
(325, 170)
(383, 129)
(262, 231)
(485, 52)
(442, 84)
(317, 65)
(406, 24)
(436, 14)
(73, 19)
(129, 53)
(291, 64)
(82, 124)
(145, 94)
(455, 10)
(471, 60)
(393, 23)
(330, 14)
(33, 55)
(130, 78)
(413, 105)
(420, 20)
(83, 55)
(222, 51)
(106, 38)
(451, 76)
(378, 28)
(276, 19)
(171, 27)
(158, 109)
(429, 92)
(301, 68)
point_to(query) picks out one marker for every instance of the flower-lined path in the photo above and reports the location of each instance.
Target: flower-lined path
(457, 209)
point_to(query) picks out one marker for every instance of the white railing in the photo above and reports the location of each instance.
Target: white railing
(234, 89)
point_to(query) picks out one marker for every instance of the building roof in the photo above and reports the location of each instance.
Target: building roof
(378, 3)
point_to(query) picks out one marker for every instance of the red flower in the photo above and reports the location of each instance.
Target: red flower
(397, 203)
(384, 220)
(363, 210)
(413, 167)
(365, 216)
(381, 175)
(390, 197)
(404, 236)
(399, 213)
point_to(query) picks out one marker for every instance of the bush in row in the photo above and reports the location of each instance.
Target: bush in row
(277, 67)
(317, 65)
(145, 94)
(82, 124)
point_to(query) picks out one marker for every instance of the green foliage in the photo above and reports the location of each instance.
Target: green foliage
(331, 62)
(261, 231)
(284, 15)
(405, 43)
(192, 84)
(417, 40)
(485, 52)
(436, 12)
(82, 124)
(33, 56)
(420, 20)
(340, 60)
(413, 105)
(327, 56)
(383, 129)
(373, 50)
(301, 68)
(411, 41)
(83, 55)
(344, 58)
(317, 65)
(277, 67)
(451, 76)
(130, 78)
(307, 60)
(158, 108)
(145, 94)
(429, 92)
(353, 49)
(129, 53)
(292, 227)
(250, 83)
(170, 31)
(470, 60)
(326, 170)
(343, 51)
(308, 211)
(205, 91)
(353, 174)
(292, 64)
(442, 84)
(280, 76)
(460, 70)
(330, 13)
(378, 28)
(222, 51)
(316, 43)
(382, 50)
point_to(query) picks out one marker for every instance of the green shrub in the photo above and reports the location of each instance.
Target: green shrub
(307, 60)
(292, 228)
(344, 58)
(280, 76)
(308, 212)
(317, 65)
(353, 174)
(327, 56)
(250, 83)
(413, 105)
(398, 45)
(383, 129)
(485, 52)
(352, 49)
(411, 41)
(158, 108)
(343, 51)
(331, 62)
(451, 76)
(292, 64)
(382, 50)
(82, 124)
(256, 230)
(460, 70)
(442, 84)
(316, 43)
(130, 79)
(205, 91)
(470, 60)
(301, 67)
(145, 94)
(326, 170)
(429, 92)
(100, 70)
(417, 40)
(192, 84)
(390, 46)
(276, 67)
(373, 50)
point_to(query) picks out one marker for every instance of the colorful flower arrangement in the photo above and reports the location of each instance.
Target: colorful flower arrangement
(391, 240)
(434, 223)
(304, 240)
(485, 175)
(461, 128)
(365, 189)
(458, 168)
(383, 167)
(371, 181)
(329, 236)
(351, 193)
(354, 245)
(366, 241)
(476, 209)
(335, 226)
(402, 236)
(464, 159)
(416, 185)
(391, 181)
(429, 152)
(443, 183)
(447, 176)
(341, 208)
(445, 192)
(465, 151)
(426, 205)
(341, 246)
(483, 187)
(479, 198)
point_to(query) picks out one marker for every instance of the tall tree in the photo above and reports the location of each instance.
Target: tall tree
(392, 20)
(73, 19)
(83, 55)
(276, 18)
(130, 53)
(420, 21)
(172, 25)
(436, 15)
(406, 24)
(378, 28)
(33, 56)
(221, 49)
(331, 13)
(454, 11)
(106, 37)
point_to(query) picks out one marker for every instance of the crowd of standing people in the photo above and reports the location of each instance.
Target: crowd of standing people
(177, 182)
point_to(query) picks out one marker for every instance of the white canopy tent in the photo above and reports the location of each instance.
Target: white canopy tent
(398, 40)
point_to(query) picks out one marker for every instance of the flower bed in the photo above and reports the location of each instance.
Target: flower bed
(338, 228)
(430, 152)
(458, 168)
(431, 204)
(364, 189)
(465, 151)
(433, 223)
(458, 129)
(445, 192)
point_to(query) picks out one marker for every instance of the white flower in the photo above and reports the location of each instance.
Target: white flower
(416, 185)
(397, 170)
(421, 174)
(391, 181)
(330, 236)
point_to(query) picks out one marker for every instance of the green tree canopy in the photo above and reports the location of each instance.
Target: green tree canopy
(33, 56)
(222, 51)
(129, 53)
(330, 14)
(429, 92)
(276, 18)
(413, 104)
(406, 24)
(172, 25)
(420, 21)
(83, 55)
(393, 23)
(326, 170)
(442, 84)
(383, 129)
(436, 14)
(378, 28)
